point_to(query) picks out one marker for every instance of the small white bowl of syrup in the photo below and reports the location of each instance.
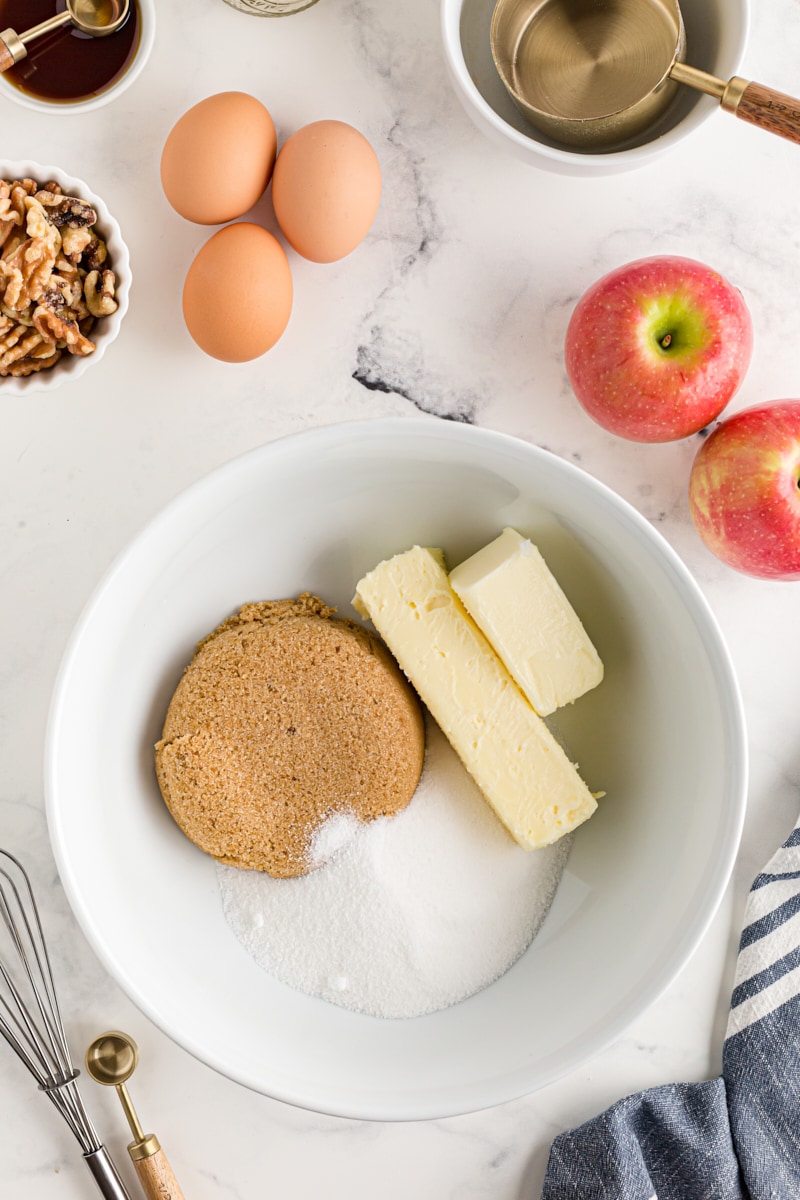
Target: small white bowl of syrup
(70, 71)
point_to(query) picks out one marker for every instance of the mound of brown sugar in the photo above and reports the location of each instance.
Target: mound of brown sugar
(286, 716)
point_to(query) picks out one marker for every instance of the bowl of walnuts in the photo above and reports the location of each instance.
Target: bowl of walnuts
(64, 277)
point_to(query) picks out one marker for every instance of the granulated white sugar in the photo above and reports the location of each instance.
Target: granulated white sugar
(331, 837)
(410, 914)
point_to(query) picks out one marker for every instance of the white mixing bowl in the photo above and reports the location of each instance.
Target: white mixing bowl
(663, 735)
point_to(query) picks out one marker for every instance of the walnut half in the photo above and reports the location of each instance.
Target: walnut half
(60, 331)
(98, 290)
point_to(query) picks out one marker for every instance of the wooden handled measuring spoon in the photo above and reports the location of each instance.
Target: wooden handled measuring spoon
(111, 1060)
(96, 17)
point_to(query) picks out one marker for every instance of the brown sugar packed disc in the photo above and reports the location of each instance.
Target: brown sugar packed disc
(286, 716)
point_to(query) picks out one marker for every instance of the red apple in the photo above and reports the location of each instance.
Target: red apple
(744, 490)
(656, 349)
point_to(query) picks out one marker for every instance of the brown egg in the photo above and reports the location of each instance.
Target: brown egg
(237, 298)
(218, 158)
(326, 189)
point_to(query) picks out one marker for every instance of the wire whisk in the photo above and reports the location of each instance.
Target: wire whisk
(30, 1019)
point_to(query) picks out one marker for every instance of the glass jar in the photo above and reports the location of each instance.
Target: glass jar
(271, 8)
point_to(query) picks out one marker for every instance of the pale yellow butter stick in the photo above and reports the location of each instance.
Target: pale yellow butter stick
(517, 603)
(516, 762)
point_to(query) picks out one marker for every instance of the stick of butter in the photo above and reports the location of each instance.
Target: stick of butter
(516, 762)
(513, 598)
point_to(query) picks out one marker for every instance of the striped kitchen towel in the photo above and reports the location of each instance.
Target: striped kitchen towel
(732, 1138)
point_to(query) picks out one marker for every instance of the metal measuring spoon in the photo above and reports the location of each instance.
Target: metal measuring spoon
(96, 17)
(111, 1060)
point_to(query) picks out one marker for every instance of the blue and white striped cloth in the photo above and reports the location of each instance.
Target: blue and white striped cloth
(732, 1138)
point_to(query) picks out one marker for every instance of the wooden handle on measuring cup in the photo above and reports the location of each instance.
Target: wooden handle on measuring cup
(762, 106)
(157, 1178)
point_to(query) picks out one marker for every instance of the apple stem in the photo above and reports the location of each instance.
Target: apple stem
(666, 341)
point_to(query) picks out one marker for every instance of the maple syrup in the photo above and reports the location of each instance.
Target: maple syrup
(67, 65)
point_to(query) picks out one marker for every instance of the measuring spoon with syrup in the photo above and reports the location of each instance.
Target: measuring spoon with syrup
(67, 67)
(95, 17)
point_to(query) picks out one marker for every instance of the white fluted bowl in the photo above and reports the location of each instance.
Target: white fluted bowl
(106, 329)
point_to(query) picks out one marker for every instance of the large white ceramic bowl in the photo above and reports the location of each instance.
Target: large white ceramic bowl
(663, 735)
(105, 330)
(716, 33)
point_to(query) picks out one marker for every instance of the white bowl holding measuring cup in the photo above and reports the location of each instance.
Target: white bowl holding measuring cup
(716, 35)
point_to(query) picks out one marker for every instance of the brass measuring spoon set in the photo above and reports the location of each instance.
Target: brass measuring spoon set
(98, 18)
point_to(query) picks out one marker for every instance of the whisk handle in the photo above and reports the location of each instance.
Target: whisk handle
(156, 1177)
(106, 1175)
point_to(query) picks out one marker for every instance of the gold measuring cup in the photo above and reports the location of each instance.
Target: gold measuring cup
(597, 73)
(111, 1060)
(96, 17)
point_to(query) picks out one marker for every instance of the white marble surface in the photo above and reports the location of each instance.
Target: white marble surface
(455, 307)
